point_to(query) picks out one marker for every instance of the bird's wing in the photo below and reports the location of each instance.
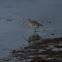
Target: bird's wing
(37, 23)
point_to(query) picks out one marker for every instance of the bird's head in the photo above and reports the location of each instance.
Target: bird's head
(28, 20)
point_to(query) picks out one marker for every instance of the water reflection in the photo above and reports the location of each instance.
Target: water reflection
(34, 37)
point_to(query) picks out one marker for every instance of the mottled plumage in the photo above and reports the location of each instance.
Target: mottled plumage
(34, 24)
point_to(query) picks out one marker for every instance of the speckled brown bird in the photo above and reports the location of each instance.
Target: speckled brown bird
(34, 24)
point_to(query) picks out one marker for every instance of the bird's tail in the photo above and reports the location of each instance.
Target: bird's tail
(41, 25)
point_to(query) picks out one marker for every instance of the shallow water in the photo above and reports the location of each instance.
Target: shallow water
(13, 33)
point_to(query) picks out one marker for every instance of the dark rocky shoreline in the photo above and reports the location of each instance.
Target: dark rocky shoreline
(45, 50)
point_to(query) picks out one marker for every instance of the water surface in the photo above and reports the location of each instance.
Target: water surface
(13, 13)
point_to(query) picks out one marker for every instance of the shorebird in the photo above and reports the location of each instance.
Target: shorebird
(34, 24)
